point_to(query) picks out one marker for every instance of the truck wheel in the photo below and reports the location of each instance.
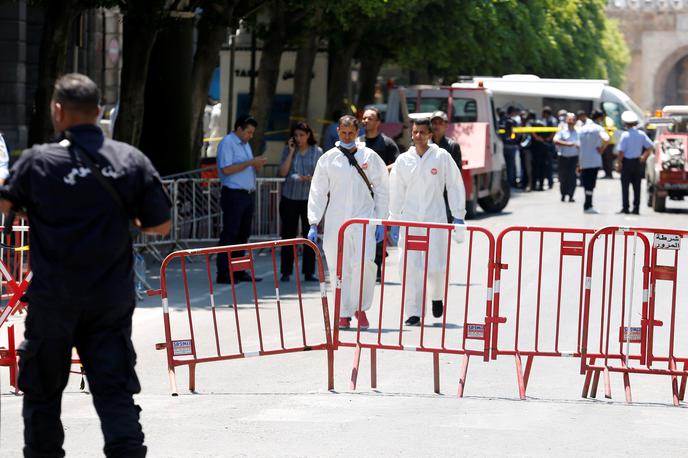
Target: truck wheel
(496, 202)
(658, 203)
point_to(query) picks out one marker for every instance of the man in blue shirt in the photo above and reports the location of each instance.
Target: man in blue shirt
(634, 147)
(237, 171)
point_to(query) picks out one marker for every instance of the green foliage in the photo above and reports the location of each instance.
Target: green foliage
(550, 38)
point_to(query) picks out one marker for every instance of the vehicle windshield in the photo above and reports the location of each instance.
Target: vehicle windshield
(463, 109)
(681, 126)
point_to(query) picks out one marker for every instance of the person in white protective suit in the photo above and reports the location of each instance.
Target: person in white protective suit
(417, 183)
(350, 196)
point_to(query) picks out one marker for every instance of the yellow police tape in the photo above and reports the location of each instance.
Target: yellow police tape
(532, 130)
(272, 132)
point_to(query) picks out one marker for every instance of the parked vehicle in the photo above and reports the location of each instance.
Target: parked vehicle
(666, 171)
(472, 123)
(533, 92)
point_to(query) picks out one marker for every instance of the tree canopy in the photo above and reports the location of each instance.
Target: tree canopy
(429, 40)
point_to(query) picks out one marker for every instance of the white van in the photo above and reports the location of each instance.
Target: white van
(533, 93)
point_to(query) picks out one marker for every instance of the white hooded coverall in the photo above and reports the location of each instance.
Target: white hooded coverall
(416, 194)
(349, 197)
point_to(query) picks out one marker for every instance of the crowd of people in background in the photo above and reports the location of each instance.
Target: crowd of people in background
(580, 145)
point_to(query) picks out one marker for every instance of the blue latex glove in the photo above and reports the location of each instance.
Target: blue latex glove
(379, 233)
(394, 234)
(313, 233)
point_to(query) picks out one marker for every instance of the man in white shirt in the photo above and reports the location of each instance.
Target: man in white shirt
(593, 140)
(567, 143)
(417, 183)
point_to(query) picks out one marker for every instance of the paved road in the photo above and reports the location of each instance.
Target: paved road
(280, 406)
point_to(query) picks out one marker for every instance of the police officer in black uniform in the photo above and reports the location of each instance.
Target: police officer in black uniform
(440, 121)
(80, 196)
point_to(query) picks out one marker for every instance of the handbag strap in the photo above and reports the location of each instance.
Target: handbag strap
(354, 162)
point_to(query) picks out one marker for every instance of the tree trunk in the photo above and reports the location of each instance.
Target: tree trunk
(303, 74)
(59, 16)
(268, 72)
(165, 137)
(212, 32)
(339, 77)
(140, 29)
(367, 77)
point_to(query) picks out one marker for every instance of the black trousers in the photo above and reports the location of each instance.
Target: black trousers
(631, 174)
(291, 212)
(540, 152)
(567, 175)
(102, 337)
(237, 215)
(549, 163)
(589, 179)
(608, 160)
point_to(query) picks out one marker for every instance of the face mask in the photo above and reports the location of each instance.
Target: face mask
(347, 145)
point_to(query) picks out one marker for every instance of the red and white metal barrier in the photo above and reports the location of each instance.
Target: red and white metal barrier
(538, 295)
(636, 309)
(16, 276)
(462, 277)
(267, 328)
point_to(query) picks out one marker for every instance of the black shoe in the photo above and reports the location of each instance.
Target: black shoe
(636, 211)
(311, 279)
(437, 309)
(284, 278)
(220, 279)
(571, 199)
(563, 197)
(413, 321)
(244, 276)
(623, 211)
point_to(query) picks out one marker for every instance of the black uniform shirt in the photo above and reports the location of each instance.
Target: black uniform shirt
(453, 148)
(80, 244)
(383, 146)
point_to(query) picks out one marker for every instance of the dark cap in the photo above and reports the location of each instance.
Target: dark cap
(439, 114)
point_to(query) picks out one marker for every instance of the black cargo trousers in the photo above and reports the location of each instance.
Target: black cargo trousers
(102, 337)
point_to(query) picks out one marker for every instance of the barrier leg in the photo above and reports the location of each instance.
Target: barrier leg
(462, 377)
(192, 378)
(373, 368)
(12, 352)
(674, 382)
(682, 391)
(627, 386)
(173, 381)
(354, 371)
(519, 378)
(330, 369)
(607, 384)
(526, 376)
(586, 383)
(436, 371)
(595, 382)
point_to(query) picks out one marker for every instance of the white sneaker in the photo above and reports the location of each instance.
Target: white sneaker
(591, 210)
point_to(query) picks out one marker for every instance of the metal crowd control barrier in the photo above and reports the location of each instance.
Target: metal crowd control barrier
(197, 214)
(541, 313)
(467, 308)
(257, 331)
(16, 276)
(626, 327)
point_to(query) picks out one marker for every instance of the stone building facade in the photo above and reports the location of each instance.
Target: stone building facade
(656, 32)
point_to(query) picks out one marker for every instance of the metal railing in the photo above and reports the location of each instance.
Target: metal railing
(197, 215)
